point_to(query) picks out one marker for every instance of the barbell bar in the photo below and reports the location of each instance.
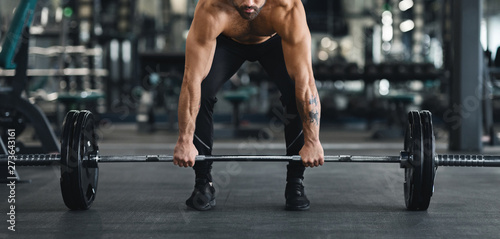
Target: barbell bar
(450, 160)
(55, 159)
(79, 160)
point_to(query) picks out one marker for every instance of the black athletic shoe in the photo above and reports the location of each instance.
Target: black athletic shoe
(203, 196)
(296, 199)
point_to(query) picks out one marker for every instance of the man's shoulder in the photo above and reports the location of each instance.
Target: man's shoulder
(282, 9)
(213, 4)
(288, 19)
(211, 11)
(285, 4)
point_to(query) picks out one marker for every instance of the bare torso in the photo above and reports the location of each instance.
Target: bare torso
(245, 31)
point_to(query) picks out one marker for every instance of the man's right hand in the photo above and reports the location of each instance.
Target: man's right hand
(185, 154)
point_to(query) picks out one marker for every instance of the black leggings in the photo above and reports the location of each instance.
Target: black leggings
(228, 58)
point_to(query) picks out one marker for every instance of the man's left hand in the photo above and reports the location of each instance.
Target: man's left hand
(312, 154)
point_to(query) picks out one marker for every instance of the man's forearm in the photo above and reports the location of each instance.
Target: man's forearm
(189, 105)
(309, 108)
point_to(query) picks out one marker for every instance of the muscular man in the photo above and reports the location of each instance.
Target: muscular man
(224, 34)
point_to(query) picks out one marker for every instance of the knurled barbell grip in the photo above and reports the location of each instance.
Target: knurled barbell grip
(31, 159)
(464, 160)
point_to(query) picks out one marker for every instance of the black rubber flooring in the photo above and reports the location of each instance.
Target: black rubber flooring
(146, 200)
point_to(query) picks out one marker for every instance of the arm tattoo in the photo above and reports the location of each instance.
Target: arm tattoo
(314, 100)
(309, 116)
(313, 114)
(313, 117)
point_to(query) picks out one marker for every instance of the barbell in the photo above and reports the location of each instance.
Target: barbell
(79, 160)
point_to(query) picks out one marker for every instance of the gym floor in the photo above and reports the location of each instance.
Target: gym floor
(146, 200)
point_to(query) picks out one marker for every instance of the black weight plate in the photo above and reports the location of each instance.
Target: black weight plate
(84, 141)
(413, 174)
(429, 166)
(89, 172)
(67, 190)
(80, 169)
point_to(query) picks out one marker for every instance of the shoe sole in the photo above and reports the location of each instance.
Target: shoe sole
(291, 208)
(210, 205)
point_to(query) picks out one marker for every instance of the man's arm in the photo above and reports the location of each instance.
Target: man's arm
(291, 25)
(200, 48)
